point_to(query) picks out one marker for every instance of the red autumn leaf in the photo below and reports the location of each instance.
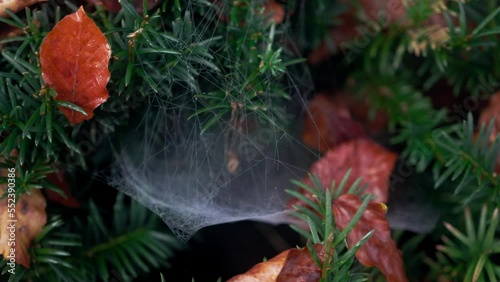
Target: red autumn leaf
(366, 158)
(74, 58)
(58, 180)
(380, 250)
(290, 265)
(275, 10)
(327, 124)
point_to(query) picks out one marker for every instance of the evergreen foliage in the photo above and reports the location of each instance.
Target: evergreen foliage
(339, 263)
(89, 250)
(230, 62)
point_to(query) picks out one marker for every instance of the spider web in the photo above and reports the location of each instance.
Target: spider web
(238, 169)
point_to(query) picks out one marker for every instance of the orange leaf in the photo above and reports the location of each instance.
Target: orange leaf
(74, 58)
(58, 180)
(367, 159)
(327, 124)
(290, 265)
(380, 250)
(31, 217)
(264, 271)
(276, 11)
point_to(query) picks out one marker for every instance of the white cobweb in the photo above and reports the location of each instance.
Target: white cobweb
(234, 171)
(189, 185)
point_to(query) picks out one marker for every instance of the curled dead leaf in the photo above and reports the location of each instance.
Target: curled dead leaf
(359, 107)
(264, 271)
(74, 59)
(380, 250)
(17, 231)
(300, 266)
(328, 124)
(290, 265)
(366, 158)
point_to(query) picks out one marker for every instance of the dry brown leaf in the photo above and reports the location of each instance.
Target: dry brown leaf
(328, 124)
(264, 271)
(290, 265)
(380, 250)
(359, 107)
(366, 158)
(30, 217)
(300, 266)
